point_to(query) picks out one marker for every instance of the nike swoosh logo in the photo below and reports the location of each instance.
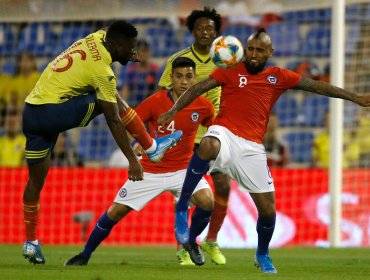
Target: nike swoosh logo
(270, 182)
(199, 173)
(241, 75)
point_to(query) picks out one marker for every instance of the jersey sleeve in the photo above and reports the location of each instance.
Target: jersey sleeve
(291, 78)
(105, 87)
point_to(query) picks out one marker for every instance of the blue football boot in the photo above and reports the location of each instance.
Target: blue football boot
(163, 144)
(33, 253)
(181, 226)
(265, 263)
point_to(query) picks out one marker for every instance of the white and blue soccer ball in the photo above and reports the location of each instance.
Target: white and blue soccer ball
(226, 51)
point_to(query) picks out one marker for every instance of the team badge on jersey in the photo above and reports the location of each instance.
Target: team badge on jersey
(122, 192)
(272, 79)
(242, 80)
(194, 117)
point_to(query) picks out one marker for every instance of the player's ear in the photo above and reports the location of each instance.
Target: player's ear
(271, 52)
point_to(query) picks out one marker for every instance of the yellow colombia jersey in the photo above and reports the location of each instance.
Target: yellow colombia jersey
(82, 68)
(321, 150)
(204, 67)
(12, 151)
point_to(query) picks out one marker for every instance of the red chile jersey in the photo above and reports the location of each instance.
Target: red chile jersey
(200, 111)
(247, 100)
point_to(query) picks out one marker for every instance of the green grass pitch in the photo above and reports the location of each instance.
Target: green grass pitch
(142, 263)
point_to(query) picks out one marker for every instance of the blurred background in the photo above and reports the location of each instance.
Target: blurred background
(88, 170)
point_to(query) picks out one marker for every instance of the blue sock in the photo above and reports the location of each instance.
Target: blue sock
(265, 229)
(195, 171)
(100, 232)
(199, 221)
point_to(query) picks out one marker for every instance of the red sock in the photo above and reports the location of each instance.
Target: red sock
(136, 127)
(218, 216)
(31, 216)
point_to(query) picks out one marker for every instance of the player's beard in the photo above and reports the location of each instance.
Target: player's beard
(254, 69)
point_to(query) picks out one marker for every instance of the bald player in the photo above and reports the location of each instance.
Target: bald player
(234, 141)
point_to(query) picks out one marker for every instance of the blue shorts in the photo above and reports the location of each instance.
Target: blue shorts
(43, 123)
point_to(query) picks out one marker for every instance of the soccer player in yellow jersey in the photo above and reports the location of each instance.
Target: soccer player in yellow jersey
(74, 88)
(12, 142)
(205, 25)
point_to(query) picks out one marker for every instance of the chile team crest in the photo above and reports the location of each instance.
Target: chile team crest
(122, 192)
(194, 117)
(272, 79)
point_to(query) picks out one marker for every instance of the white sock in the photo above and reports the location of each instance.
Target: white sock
(152, 148)
(35, 242)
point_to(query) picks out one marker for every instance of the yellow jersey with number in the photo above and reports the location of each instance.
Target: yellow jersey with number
(204, 67)
(82, 68)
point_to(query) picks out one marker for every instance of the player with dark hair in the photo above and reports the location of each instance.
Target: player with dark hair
(205, 25)
(167, 175)
(234, 141)
(74, 88)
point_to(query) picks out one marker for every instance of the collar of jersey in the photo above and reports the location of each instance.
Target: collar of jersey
(203, 58)
(170, 95)
(105, 55)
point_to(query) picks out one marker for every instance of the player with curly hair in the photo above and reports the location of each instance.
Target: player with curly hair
(205, 25)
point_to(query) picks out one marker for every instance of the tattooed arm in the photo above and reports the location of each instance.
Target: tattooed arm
(186, 98)
(332, 91)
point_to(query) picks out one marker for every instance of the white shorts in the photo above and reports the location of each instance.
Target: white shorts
(243, 160)
(139, 193)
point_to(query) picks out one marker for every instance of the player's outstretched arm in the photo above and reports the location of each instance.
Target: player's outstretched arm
(118, 129)
(189, 96)
(326, 89)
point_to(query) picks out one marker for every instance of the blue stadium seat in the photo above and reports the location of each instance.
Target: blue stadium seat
(95, 144)
(353, 12)
(241, 31)
(313, 111)
(96, 141)
(72, 33)
(162, 40)
(37, 38)
(367, 13)
(42, 67)
(315, 15)
(351, 111)
(187, 39)
(8, 67)
(7, 40)
(286, 38)
(286, 109)
(306, 68)
(300, 146)
(317, 42)
(352, 38)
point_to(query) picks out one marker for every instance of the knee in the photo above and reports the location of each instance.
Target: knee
(267, 212)
(221, 183)
(208, 149)
(118, 211)
(204, 199)
(35, 185)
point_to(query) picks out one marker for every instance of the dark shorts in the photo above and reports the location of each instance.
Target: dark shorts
(43, 123)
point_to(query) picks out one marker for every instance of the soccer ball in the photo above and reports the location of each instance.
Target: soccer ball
(226, 51)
